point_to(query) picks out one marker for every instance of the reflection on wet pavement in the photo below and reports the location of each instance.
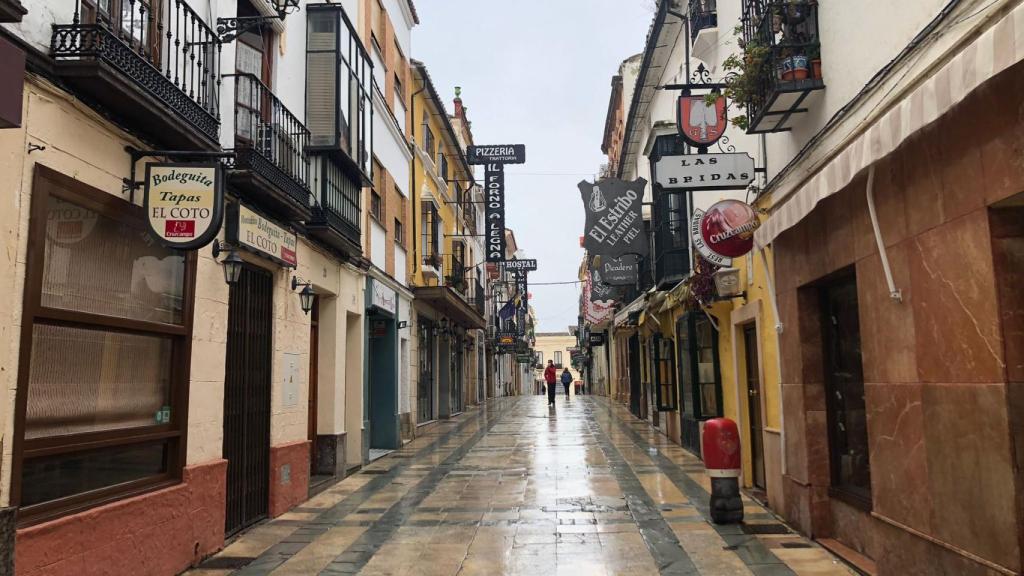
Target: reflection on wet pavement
(519, 488)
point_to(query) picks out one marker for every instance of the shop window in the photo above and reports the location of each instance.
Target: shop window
(844, 383)
(664, 374)
(101, 401)
(699, 370)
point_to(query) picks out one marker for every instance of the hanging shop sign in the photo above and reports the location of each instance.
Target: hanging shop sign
(621, 271)
(597, 339)
(701, 124)
(615, 223)
(529, 265)
(724, 232)
(522, 287)
(599, 291)
(524, 358)
(494, 211)
(500, 154)
(383, 297)
(262, 236)
(733, 171)
(595, 312)
(506, 339)
(184, 203)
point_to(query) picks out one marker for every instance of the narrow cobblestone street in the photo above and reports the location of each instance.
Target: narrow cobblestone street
(519, 488)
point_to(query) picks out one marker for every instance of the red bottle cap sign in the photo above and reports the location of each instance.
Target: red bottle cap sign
(727, 228)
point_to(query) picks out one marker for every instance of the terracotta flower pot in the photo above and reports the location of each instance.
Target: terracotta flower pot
(816, 68)
(800, 69)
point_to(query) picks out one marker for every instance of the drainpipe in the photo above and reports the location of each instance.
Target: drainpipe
(412, 176)
(894, 292)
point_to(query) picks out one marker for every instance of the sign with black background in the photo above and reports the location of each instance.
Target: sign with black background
(615, 223)
(600, 292)
(621, 271)
(524, 303)
(499, 154)
(494, 212)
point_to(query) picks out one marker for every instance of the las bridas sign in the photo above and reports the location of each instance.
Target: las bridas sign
(705, 171)
(184, 203)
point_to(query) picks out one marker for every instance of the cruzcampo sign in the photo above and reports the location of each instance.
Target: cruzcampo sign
(734, 171)
(262, 236)
(184, 203)
(615, 223)
(724, 232)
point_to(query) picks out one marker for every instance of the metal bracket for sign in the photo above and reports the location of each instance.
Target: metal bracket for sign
(131, 184)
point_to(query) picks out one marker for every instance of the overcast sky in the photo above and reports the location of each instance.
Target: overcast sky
(536, 72)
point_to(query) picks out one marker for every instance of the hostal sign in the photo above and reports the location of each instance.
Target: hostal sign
(184, 203)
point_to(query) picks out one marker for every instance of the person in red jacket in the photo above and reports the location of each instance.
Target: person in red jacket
(550, 374)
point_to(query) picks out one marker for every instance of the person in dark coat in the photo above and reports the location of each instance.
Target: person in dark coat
(566, 381)
(549, 378)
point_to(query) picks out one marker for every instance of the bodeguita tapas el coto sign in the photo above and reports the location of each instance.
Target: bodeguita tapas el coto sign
(184, 203)
(725, 231)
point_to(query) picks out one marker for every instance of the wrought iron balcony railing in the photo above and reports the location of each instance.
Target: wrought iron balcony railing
(782, 58)
(270, 140)
(703, 15)
(336, 211)
(164, 49)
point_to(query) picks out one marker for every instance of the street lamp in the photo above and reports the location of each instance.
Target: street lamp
(232, 262)
(307, 295)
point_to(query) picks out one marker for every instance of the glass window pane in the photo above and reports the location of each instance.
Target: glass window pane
(90, 380)
(96, 264)
(708, 401)
(53, 477)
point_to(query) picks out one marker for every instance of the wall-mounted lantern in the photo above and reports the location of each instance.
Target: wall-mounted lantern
(306, 296)
(232, 262)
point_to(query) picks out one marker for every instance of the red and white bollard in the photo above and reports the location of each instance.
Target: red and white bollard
(721, 450)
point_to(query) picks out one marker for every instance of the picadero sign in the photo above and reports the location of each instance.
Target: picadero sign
(734, 171)
(500, 154)
(494, 211)
(615, 224)
(184, 203)
(701, 124)
(621, 271)
(724, 232)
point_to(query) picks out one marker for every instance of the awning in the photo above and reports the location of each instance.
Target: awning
(995, 50)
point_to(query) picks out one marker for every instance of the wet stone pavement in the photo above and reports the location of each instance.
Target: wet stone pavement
(519, 488)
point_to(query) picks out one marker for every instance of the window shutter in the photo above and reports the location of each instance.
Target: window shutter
(321, 78)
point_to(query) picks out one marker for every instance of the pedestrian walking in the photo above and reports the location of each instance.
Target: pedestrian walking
(549, 378)
(566, 381)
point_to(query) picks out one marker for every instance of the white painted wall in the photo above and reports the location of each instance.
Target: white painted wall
(401, 272)
(402, 23)
(389, 145)
(378, 244)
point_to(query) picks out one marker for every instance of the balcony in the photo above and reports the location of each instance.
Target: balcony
(339, 88)
(457, 293)
(703, 26)
(271, 164)
(11, 11)
(335, 219)
(781, 61)
(157, 72)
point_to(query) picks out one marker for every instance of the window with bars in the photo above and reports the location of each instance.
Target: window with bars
(429, 143)
(431, 235)
(443, 170)
(102, 395)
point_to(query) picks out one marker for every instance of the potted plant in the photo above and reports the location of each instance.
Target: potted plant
(814, 55)
(745, 75)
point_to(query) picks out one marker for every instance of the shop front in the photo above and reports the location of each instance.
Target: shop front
(899, 296)
(381, 426)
